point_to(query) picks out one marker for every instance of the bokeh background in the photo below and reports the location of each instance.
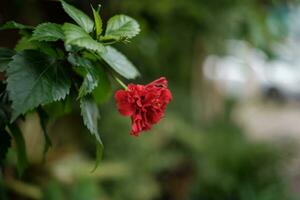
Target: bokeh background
(232, 131)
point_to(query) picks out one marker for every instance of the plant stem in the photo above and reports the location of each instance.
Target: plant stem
(120, 82)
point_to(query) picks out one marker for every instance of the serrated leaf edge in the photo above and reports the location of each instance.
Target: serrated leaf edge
(47, 40)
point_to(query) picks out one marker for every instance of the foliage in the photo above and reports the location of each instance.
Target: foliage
(176, 158)
(217, 162)
(179, 34)
(180, 162)
(53, 62)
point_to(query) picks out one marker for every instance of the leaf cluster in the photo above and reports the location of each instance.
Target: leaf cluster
(53, 63)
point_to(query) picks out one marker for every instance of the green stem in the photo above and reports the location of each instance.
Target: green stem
(120, 82)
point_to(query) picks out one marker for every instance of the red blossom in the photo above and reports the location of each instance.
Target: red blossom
(145, 104)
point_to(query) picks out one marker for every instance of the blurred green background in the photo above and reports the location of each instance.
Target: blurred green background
(211, 145)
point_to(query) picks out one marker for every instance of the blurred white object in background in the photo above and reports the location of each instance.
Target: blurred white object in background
(246, 72)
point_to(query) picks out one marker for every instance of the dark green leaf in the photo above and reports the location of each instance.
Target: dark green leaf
(5, 57)
(48, 32)
(122, 27)
(74, 35)
(5, 107)
(3, 195)
(119, 63)
(26, 43)
(79, 17)
(44, 118)
(98, 21)
(90, 115)
(88, 71)
(90, 81)
(20, 147)
(5, 143)
(14, 25)
(35, 79)
(4, 116)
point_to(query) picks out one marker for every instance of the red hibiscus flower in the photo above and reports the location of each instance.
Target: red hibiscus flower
(145, 104)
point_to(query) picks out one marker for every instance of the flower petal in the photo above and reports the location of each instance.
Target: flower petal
(125, 107)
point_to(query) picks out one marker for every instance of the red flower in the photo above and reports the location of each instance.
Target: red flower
(145, 104)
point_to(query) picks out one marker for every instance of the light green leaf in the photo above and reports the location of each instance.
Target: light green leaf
(119, 63)
(5, 57)
(74, 35)
(90, 115)
(35, 79)
(79, 17)
(98, 21)
(89, 71)
(48, 32)
(20, 147)
(14, 25)
(25, 43)
(122, 27)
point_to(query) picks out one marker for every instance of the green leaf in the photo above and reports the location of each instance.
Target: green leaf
(20, 147)
(104, 90)
(90, 81)
(119, 63)
(44, 118)
(90, 115)
(99, 155)
(5, 57)
(48, 32)
(35, 79)
(26, 43)
(98, 21)
(14, 25)
(108, 39)
(95, 78)
(5, 144)
(74, 35)
(79, 17)
(122, 27)
(88, 71)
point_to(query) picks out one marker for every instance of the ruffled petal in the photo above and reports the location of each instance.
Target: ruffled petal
(161, 82)
(124, 104)
(145, 104)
